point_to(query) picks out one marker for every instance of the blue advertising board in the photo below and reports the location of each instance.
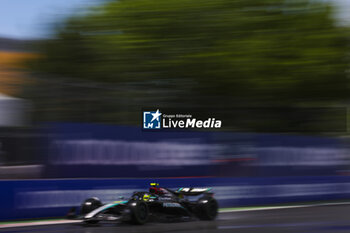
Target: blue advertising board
(123, 151)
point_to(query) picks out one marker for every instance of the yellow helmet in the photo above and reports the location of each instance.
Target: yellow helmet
(146, 197)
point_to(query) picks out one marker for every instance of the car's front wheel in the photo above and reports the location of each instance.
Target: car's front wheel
(89, 205)
(139, 212)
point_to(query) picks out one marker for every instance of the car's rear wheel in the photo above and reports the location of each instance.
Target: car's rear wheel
(139, 212)
(207, 208)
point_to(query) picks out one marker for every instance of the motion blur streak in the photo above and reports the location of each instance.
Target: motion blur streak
(315, 219)
(274, 72)
(108, 63)
(69, 198)
(124, 153)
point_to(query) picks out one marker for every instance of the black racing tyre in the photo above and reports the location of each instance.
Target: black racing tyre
(91, 221)
(207, 208)
(89, 205)
(139, 212)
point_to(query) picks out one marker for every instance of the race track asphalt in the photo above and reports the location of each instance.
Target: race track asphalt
(321, 219)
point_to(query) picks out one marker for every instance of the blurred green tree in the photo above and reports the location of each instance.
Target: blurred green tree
(222, 53)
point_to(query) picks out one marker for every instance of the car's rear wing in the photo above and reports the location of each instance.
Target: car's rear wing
(193, 191)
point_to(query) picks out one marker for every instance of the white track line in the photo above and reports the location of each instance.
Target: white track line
(282, 207)
(39, 223)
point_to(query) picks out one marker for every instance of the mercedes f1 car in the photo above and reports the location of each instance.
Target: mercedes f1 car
(157, 203)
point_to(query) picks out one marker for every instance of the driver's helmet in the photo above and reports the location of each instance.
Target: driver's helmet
(146, 197)
(155, 189)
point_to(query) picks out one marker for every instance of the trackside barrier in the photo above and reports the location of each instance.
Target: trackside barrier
(23, 199)
(74, 149)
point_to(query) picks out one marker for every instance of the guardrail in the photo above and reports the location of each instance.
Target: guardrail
(22, 199)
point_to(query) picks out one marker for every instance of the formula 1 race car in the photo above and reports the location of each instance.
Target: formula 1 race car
(157, 203)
